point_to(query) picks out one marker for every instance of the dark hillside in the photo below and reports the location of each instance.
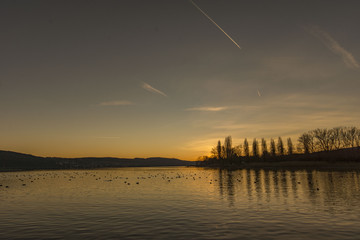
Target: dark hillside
(12, 161)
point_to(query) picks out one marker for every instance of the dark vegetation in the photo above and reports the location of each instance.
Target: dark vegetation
(12, 161)
(315, 147)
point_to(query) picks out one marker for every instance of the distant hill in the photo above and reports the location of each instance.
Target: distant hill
(13, 161)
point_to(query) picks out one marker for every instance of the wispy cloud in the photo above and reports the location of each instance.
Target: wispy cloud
(259, 93)
(333, 46)
(116, 103)
(152, 89)
(233, 126)
(207, 109)
(109, 137)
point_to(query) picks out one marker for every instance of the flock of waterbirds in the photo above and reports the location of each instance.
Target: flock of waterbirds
(24, 179)
(27, 178)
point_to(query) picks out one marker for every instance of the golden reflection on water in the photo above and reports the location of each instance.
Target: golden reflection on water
(205, 202)
(268, 186)
(282, 186)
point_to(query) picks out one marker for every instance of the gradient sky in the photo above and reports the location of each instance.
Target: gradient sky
(157, 78)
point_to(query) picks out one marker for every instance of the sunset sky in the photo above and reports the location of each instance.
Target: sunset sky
(159, 78)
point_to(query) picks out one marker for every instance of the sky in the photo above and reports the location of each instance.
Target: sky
(169, 78)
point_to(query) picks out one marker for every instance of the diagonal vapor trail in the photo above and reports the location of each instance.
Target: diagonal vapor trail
(152, 89)
(215, 23)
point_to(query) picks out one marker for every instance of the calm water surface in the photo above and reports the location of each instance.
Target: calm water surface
(179, 203)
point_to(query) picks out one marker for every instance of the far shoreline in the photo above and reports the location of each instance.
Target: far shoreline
(13, 161)
(258, 165)
(343, 159)
(85, 169)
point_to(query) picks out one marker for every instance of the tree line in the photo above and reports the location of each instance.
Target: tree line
(316, 140)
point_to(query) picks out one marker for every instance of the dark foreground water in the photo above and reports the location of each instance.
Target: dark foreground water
(179, 203)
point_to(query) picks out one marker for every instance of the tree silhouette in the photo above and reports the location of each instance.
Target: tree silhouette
(228, 150)
(309, 142)
(290, 146)
(264, 148)
(353, 134)
(246, 148)
(218, 150)
(349, 136)
(323, 137)
(237, 151)
(272, 147)
(337, 137)
(255, 148)
(306, 142)
(280, 146)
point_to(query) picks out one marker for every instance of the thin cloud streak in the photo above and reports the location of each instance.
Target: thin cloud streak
(149, 88)
(222, 108)
(207, 109)
(208, 17)
(333, 46)
(116, 103)
(109, 137)
(258, 92)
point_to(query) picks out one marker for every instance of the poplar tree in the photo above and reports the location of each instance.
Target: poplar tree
(280, 146)
(246, 148)
(272, 147)
(264, 148)
(218, 150)
(290, 146)
(255, 148)
(228, 148)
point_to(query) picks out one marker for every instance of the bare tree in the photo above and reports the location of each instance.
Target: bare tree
(358, 137)
(246, 148)
(213, 152)
(353, 136)
(306, 142)
(350, 135)
(336, 137)
(344, 138)
(255, 148)
(272, 147)
(238, 150)
(324, 139)
(264, 148)
(280, 146)
(290, 146)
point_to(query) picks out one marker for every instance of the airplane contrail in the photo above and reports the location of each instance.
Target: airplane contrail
(152, 89)
(215, 23)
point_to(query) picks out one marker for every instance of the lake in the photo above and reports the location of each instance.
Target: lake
(179, 203)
